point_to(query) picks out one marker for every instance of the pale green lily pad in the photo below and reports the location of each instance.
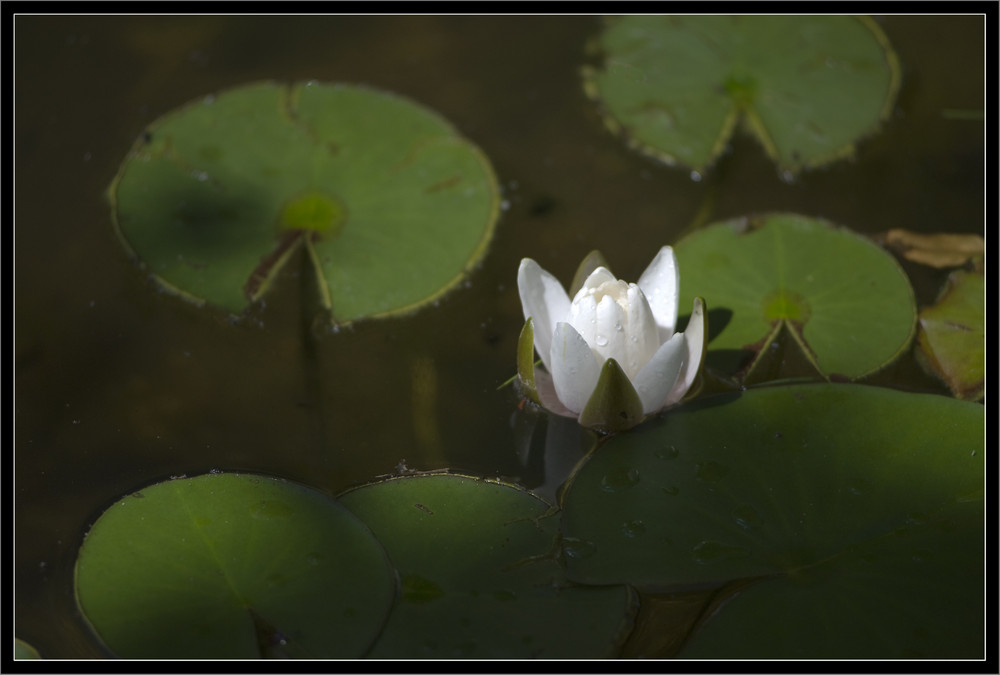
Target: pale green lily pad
(808, 87)
(22, 650)
(233, 566)
(825, 492)
(479, 574)
(393, 206)
(842, 300)
(952, 338)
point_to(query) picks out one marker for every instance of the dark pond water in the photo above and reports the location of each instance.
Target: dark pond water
(118, 385)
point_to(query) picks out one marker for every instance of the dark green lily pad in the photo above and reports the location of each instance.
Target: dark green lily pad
(825, 492)
(808, 87)
(479, 574)
(233, 566)
(913, 594)
(843, 301)
(952, 338)
(392, 205)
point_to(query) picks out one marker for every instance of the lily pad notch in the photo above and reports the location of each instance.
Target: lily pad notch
(787, 280)
(676, 87)
(392, 205)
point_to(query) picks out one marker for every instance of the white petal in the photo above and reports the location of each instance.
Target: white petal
(599, 276)
(583, 317)
(661, 284)
(695, 337)
(657, 377)
(609, 338)
(643, 333)
(545, 300)
(575, 368)
(547, 395)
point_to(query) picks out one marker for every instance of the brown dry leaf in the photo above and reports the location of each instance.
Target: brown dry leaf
(937, 250)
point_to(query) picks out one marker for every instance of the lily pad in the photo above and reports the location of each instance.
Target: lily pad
(391, 204)
(233, 566)
(952, 338)
(22, 650)
(845, 302)
(913, 594)
(808, 87)
(479, 574)
(826, 494)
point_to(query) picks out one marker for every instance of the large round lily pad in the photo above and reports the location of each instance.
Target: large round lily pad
(477, 562)
(392, 205)
(843, 301)
(850, 506)
(913, 594)
(233, 566)
(808, 87)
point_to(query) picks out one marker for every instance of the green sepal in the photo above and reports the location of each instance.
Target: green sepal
(526, 361)
(590, 263)
(614, 405)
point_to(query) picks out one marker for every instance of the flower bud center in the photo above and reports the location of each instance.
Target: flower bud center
(608, 331)
(617, 290)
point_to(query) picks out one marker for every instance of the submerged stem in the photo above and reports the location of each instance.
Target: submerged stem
(310, 303)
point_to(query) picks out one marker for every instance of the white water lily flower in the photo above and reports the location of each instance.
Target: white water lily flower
(611, 353)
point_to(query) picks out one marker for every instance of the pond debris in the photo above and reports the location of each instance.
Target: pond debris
(940, 250)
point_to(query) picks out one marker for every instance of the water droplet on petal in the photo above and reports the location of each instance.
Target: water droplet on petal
(601, 341)
(619, 327)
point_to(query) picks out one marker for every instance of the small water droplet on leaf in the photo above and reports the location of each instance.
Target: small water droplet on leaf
(578, 549)
(633, 528)
(747, 517)
(619, 479)
(711, 472)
